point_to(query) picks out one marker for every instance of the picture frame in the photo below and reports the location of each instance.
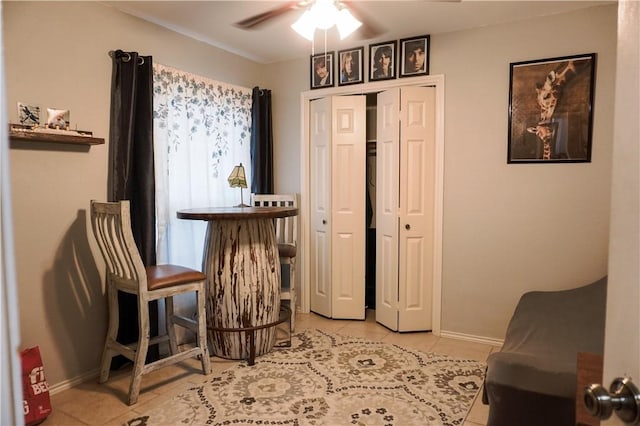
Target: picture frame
(551, 110)
(321, 70)
(382, 60)
(28, 115)
(414, 56)
(350, 66)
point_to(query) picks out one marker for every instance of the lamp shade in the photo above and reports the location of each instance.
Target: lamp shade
(346, 23)
(324, 14)
(236, 178)
(305, 26)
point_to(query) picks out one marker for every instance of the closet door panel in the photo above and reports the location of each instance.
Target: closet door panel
(344, 242)
(413, 295)
(387, 176)
(416, 178)
(348, 198)
(320, 172)
(387, 295)
(417, 203)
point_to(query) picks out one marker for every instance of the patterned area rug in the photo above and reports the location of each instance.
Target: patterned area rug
(326, 379)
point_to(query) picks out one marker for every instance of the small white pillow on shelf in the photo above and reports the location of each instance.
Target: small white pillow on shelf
(58, 118)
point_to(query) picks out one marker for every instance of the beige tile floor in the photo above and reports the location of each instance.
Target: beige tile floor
(94, 404)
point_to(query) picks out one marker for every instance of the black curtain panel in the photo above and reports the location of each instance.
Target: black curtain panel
(261, 142)
(131, 172)
(131, 146)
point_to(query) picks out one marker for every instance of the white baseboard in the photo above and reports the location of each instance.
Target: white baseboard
(93, 374)
(472, 338)
(75, 381)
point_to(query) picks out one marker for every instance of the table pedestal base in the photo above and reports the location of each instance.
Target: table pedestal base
(250, 333)
(243, 287)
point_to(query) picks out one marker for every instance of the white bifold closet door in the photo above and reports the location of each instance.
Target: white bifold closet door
(405, 202)
(337, 202)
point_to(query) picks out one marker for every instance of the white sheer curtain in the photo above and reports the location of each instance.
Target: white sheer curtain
(201, 131)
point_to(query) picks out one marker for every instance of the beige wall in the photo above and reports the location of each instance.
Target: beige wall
(57, 56)
(287, 80)
(507, 228)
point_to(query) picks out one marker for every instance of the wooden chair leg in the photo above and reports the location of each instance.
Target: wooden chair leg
(202, 332)
(171, 328)
(293, 290)
(112, 333)
(141, 352)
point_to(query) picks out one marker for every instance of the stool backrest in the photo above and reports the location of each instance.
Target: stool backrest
(111, 223)
(286, 227)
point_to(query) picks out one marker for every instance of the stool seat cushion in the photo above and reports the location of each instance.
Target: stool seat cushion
(287, 250)
(162, 276)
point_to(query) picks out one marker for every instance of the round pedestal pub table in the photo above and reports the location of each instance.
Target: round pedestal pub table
(242, 265)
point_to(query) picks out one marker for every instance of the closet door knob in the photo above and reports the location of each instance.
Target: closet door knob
(623, 397)
(407, 227)
(324, 221)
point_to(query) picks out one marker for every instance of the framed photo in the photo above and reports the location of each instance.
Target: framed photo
(350, 62)
(382, 61)
(322, 70)
(28, 115)
(414, 56)
(551, 110)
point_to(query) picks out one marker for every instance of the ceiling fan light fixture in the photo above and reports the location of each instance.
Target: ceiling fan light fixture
(324, 14)
(305, 25)
(346, 23)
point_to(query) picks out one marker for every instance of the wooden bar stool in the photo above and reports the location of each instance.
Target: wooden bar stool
(286, 229)
(111, 225)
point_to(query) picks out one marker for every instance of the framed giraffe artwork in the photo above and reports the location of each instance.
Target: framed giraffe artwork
(551, 110)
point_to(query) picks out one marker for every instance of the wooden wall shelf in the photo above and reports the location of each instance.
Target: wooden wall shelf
(17, 132)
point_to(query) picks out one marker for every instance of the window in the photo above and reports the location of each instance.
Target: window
(201, 131)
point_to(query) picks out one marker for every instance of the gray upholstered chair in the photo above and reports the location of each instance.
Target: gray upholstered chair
(111, 225)
(532, 380)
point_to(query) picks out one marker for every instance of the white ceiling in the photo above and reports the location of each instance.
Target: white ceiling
(212, 22)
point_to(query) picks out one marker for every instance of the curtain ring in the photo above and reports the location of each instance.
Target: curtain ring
(126, 56)
(120, 54)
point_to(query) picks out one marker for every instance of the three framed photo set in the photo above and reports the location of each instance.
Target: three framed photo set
(321, 70)
(351, 69)
(414, 56)
(382, 61)
(551, 110)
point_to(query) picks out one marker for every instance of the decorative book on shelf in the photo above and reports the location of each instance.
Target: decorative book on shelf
(43, 134)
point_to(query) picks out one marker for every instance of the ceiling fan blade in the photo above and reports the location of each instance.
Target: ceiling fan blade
(370, 28)
(261, 18)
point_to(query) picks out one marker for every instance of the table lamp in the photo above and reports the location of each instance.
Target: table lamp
(237, 180)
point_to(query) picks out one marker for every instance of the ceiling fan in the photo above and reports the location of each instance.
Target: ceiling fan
(369, 28)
